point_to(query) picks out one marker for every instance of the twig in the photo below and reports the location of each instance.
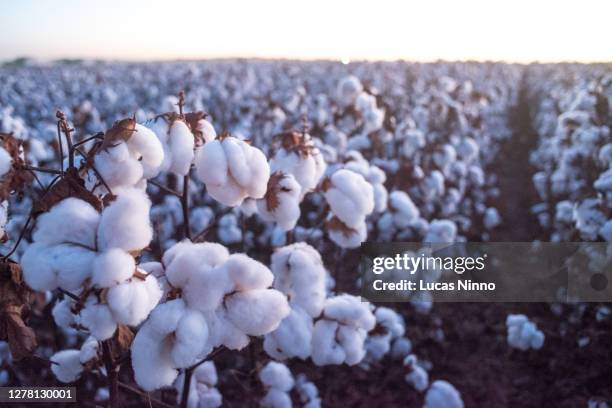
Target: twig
(70, 295)
(41, 169)
(143, 394)
(206, 230)
(21, 235)
(112, 374)
(185, 205)
(164, 188)
(189, 372)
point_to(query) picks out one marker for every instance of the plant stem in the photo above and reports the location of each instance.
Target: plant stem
(186, 386)
(112, 374)
(185, 205)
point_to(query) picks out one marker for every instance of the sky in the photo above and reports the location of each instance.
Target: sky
(507, 30)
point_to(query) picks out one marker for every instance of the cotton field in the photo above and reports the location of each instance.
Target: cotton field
(188, 233)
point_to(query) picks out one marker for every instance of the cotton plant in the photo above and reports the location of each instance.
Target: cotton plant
(232, 170)
(523, 334)
(222, 299)
(298, 273)
(351, 200)
(203, 392)
(92, 256)
(278, 382)
(373, 175)
(281, 203)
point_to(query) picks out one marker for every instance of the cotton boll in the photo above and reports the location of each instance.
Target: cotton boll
(349, 89)
(71, 220)
(232, 170)
(247, 273)
(112, 267)
(281, 203)
(181, 144)
(5, 162)
(441, 231)
(277, 375)
(206, 288)
(67, 367)
(299, 273)
(131, 302)
(125, 223)
(325, 349)
(468, 149)
(491, 218)
(89, 350)
(522, 333)
(257, 312)
(349, 310)
(401, 347)
(151, 360)
(352, 341)
(208, 131)
(98, 319)
(417, 376)
(184, 258)
(292, 338)
(117, 167)
(276, 398)
(190, 339)
(223, 332)
(442, 394)
(350, 197)
(228, 230)
(62, 313)
(145, 147)
(165, 317)
(403, 209)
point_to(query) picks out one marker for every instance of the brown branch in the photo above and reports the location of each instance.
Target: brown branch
(145, 395)
(111, 373)
(164, 188)
(185, 206)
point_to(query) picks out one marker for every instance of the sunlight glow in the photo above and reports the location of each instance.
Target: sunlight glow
(519, 31)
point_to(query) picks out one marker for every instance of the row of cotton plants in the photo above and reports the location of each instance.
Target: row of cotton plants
(574, 153)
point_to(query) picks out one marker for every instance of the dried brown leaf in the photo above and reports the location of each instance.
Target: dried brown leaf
(17, 178)
(121, 130)
(274, 189)
(71, 185)
(335, 224)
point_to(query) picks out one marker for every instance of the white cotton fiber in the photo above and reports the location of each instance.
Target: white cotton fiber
(350, 197)
(112, 267)
(299, 273)
(325, 349)
(145, 147)
(62, 313)
(276, 375)
(522, 333)
(247, 273)
(292, 338)
(181, 144)
(190, 339)
(151, 360)
(5, 161)
(132, 301)
(71, 220)
(232, 170)
(67, 367)
(98, 319)
(125, 223)
(442, 394)
(257, 312)
(281, 203)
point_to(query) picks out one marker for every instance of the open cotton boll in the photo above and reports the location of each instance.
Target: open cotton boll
(98, 319)
(417, 376)
(145, 147)
(151, 360)
(349, 310)
(292, 338)
(349, 88)
(299, 273)
(117, 167)
(404, 211)
(184, 258)
(491, 218)
(281, 203)
(442, 394)
(257, 312)
(223, 332)
(112, 267)
(247, 273)
(441, 231)
(350, 197)
(232, 170)
(276, 398)
(277, 375)
(208, 130)
(132, 301)
(309, 394)
(325, 348)
(89, 350)
(62, 313)
(125, 223)
(203, 393)
(71, 220)
(67, 367)
(522, 333)
(48, 267)
(5, 162)
(181, 144)
(190, 339)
